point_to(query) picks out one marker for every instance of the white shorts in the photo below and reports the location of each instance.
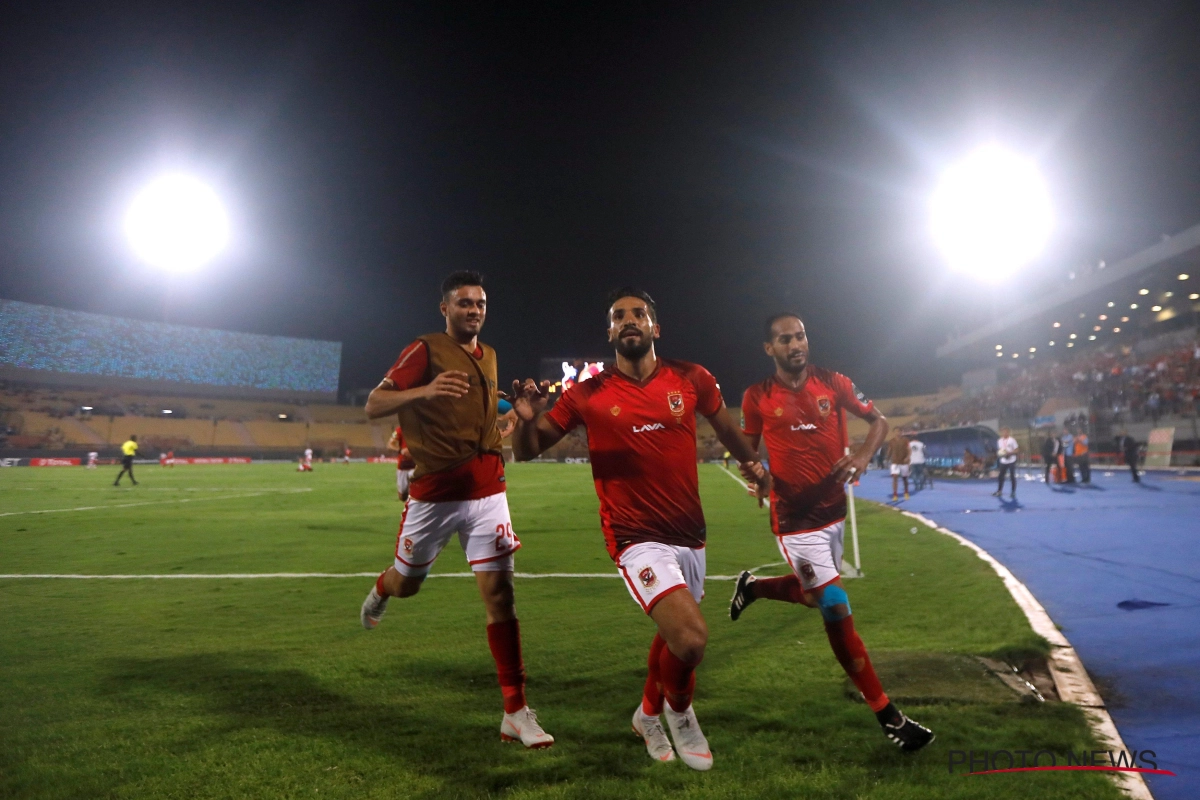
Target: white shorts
(483, 526)
(815, 557)
(900, 470)
(653, 570)
(403, 476)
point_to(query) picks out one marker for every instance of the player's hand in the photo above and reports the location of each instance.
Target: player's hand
(529, 398)
(848, 467)
(757, 479)
(450, 383)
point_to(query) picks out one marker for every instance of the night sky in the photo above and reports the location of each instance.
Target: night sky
(733, 159)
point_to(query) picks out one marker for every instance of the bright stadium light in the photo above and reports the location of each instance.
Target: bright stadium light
(177, 224)
(991, 213)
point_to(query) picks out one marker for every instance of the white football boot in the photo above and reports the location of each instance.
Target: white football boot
(690, 743)
(651, 731)
(372, 609)
(522, 726)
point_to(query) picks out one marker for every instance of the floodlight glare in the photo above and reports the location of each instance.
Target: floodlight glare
(1183, 276)
(991, 213)
(177, 224)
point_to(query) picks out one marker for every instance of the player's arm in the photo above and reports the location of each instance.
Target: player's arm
(855, 463)
(534, 433)
(741, 448)
(385, 399)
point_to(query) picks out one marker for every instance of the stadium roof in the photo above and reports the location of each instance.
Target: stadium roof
(1168, 257)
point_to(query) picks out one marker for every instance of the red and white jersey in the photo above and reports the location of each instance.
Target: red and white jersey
(805, 433)
(403, 459)
(478, 477)
(642, 444)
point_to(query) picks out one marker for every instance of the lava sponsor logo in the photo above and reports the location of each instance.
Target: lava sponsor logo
(653, 426)
(993, 762)
(647, 577)
(804, 426)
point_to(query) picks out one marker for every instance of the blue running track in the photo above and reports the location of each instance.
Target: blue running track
(1083, 550)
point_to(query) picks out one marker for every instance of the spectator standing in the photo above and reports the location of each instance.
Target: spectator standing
(898, 454)
(916, 462)
(1051, 448)
(1068, 454)
(1129, 447)
(1006, 456)
(1082, 458)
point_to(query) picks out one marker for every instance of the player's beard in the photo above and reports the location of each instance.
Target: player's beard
(634, 349)
(792, 367)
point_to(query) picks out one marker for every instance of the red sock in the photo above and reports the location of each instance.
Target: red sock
(504, 639)
(852, 655)
(652, 695)
(678, 679)
(787, 589)
(379, 585)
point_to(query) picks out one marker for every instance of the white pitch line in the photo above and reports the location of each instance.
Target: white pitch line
(258, 575)
(154, 502)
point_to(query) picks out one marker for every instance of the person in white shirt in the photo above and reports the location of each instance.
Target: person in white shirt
(93, 457)
(1006, 454)
(916, 462)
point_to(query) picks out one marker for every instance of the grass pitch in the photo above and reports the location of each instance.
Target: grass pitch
(270, 687)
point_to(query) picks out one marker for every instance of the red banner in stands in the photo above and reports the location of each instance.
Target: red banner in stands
(231, 460)
(54, 462)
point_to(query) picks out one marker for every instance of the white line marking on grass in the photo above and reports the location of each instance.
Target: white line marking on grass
(258, 575)
(154, 502)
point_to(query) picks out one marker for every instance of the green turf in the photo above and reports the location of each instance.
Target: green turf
(270, 688)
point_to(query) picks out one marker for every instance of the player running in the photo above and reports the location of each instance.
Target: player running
(641, 428)
(305, 461)
(404, 463)
(799, 412)
(443, 389)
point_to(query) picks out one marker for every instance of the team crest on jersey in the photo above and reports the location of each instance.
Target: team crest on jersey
(408, 546)
(675, 403)
(779, 412)
(807, 572)
(647, 577)
(824, 405)
(615, 410)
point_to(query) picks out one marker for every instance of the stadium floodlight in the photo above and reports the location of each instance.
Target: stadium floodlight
(177, 224)
(85, 408)
(1194, 296)
(1183, 276)
(1033, 349)
(1072, 336)
(1111, 304)
(991, 213)
(999, 347)
(1156, 308)
(1133, 305)
(1092, 338)
(1052, 343)
(1116, 330)
(1143, 291)
(1124, 319)
(1058, 324)
(1168, 294)
(167, 411)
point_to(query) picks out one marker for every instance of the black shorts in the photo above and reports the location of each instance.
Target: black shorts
(127, 462)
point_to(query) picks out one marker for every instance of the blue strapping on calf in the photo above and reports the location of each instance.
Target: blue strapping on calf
(831, 597)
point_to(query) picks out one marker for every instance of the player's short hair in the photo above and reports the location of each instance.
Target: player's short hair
(459, 279)
(640, 294)
(769, 334)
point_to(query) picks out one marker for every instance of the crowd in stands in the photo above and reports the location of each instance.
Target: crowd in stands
(1117, 385)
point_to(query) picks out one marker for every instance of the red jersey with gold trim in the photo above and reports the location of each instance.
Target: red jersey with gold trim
(478, 477)
(805, 433)
(642, 444)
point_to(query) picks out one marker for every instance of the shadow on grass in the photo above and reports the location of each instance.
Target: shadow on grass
(457, 741)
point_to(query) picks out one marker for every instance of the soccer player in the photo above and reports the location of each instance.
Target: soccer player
(443, 389)
(1006, 456)
(404, 464)
(305, 464)
(171, 459)
(899, 454)
(128, 451)
(92, 458)
(800, 413)
(346, 455)
(641, 428)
